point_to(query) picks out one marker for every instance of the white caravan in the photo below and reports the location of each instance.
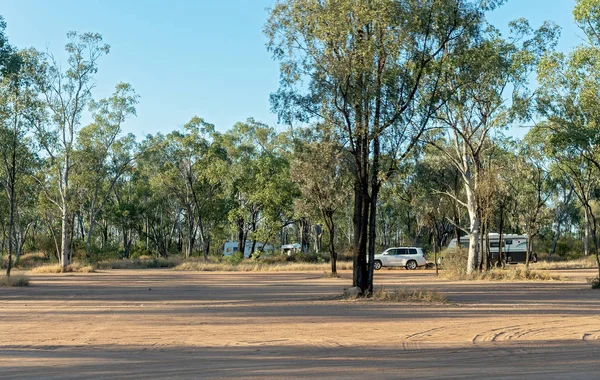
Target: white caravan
(514, 247)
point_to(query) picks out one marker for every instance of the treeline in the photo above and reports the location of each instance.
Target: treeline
(403, 107)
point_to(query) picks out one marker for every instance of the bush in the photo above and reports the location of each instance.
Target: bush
(97, 254)
(454, 262)
(31, 259)
(274, 258)
(309, 257)
(141, 263)
(234, 259)
(57, 268)
(512, 273)
(559, 263)
(14, 281)
(404, 295)
(595, 282)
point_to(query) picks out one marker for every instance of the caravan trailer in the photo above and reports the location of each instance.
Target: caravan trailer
(514, 247)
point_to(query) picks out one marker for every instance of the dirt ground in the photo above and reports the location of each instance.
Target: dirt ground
(198, 325)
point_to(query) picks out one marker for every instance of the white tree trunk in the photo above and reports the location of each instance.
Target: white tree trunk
(64, 249)
(473, 258)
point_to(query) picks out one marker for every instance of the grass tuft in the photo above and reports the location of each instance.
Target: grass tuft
(582, 263)
(56, 268)
(14, 281)
(509, 274)
(404, 295)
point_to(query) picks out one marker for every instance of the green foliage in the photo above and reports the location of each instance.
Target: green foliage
(234, 260)
(595, 282)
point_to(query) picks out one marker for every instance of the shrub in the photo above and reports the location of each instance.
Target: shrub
(404, 295)
(97, 254)
(454, 262)
(558, 263)
(31, 259)
(141, 263)
(73, 267)
(14, 281)
(518, 273)
(234, 260)
(595, 282)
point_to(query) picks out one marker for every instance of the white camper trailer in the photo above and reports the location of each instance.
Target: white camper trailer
(514, 247)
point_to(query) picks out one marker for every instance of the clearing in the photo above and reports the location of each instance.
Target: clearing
(140, 324)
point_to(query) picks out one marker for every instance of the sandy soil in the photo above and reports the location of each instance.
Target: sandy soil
(190, 325)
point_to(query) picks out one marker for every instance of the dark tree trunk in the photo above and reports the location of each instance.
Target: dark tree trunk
(328, 218)
(241, 236)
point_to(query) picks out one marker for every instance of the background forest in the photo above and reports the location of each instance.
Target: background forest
(397, 118)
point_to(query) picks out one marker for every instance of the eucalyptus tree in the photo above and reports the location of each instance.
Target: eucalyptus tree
(194, 172)
(102, 155)
(320, 168)
(433, 177)
(532, 189)
(258, 182)
(373, 70)
(569, 103)
(162, 211)
(563, 210)
(19, 106)
(483, 73)
(67, 94)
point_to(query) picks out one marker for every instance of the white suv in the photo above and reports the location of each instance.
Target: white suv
(408, 257)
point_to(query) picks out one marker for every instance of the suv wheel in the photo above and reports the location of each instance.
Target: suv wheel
(377, 265)
(412, 264)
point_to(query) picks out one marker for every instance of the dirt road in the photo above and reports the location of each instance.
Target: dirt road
(190, 325)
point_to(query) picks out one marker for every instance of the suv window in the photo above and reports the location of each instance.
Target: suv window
(402, 251)
(412, 251)
(392, 252)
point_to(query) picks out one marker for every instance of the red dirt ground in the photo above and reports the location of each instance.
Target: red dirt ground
(160, 324)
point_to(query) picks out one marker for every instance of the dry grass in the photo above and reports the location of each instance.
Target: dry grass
(583, 263)
(509, 274)
(140, 263)
(248, 266)
(56, 268)
(31, 259)
(14, 281)
(402, 295)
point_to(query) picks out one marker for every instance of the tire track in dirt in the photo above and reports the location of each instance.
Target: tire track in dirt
(531, 331)
(592, 335)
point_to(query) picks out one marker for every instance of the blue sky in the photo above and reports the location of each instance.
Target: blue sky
(202, 57)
